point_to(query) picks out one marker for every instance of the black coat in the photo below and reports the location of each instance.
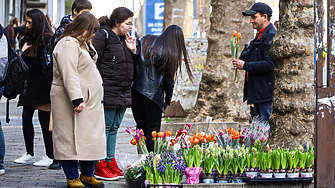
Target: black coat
(259, 77)
(38, 88)
(152, 83)
(116, 67)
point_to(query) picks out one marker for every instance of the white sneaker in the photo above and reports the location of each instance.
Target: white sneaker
(2, 171)
(26, 158)
(45, 161)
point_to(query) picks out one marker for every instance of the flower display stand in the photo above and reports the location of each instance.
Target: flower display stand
(303, 180)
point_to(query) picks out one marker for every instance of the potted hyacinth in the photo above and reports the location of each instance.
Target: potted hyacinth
(293, 159)
(251, 162)
(266, 164)
(279, 163)
(237, 166)
(192, 161)
(207, 165)
(222, 163)
(305, 167)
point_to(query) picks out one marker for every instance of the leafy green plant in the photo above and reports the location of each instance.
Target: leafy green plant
(310, 157)
(133, 172)
(283, 158)
(207, 162)
(168, 120)
(188, 157)
(302, 160)
(275, 159)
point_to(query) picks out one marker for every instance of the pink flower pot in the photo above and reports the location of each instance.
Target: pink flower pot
(192, 175)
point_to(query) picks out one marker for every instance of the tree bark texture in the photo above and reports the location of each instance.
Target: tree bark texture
(292, 118)
(220, 96)
(179, 12)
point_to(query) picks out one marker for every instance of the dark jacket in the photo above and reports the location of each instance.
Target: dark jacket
(259, 77)
(116, 67)
(59, 31)
(152, 83)
(38, 89)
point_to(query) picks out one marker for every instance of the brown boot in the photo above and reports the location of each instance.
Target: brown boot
(90, 181)
(74, 183)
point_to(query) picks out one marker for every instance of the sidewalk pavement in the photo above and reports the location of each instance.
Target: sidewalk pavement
(18, 175)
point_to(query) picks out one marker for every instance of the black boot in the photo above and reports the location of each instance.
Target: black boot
(55, 165)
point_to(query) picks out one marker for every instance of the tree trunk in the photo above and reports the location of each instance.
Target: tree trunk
(220, 96)
(292, 118)
(179, 12)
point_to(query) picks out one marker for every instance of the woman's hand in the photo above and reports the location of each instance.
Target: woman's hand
(131, 43)
(79, 108)
(25, 47)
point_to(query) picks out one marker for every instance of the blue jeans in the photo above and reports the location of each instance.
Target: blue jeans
(70, 168)
(113, 119)
(262, 110)
(2, 138)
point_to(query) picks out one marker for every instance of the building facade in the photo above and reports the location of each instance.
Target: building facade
(55, 9)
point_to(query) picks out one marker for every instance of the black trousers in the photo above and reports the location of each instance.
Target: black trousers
(148, 116)
(29, 133)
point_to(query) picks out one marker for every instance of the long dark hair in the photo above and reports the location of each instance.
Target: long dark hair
(170, 47)
(39, 28)
(84, 22)
(119, 15)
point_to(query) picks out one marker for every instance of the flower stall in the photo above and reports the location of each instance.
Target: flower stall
(223, 155)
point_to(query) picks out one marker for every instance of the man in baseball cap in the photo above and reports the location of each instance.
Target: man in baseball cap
(258, 65)
(258, 7)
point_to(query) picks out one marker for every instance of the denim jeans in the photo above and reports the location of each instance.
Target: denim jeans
(113, 119)
(2, 138)
(70, 168)
(262, 110)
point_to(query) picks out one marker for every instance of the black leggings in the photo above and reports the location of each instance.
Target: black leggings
(28, 130)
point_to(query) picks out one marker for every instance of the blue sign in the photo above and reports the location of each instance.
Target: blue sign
(154, 17)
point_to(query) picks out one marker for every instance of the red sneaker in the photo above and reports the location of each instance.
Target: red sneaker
(102, 172)
(112, 166)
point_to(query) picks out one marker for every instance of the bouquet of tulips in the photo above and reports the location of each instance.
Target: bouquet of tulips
(234, 46)
(161, 140)
(138, 139)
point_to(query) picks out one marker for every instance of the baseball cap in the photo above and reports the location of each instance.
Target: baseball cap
(258, 7)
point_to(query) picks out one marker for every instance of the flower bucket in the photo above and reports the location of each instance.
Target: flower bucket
(221, 180)
(266, 175)
(192, 175)
(251, 174)
(173, 185)
(237, 180)
(133, 183)
(279, 175)
(207, 178)
(293, 175)
(306, 174)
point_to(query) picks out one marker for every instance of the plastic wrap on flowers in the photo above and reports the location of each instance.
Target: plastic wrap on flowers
(192, 175)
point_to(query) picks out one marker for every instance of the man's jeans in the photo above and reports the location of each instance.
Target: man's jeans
(262, 110)
(2, 138)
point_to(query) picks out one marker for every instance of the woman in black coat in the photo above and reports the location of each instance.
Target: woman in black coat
(154, 78)
(37, 95)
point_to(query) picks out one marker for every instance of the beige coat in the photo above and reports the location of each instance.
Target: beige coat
(77, 136)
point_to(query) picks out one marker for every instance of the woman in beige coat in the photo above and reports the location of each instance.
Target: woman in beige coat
(76, 98)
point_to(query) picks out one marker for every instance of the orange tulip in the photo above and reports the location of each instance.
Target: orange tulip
(190, 138)
(239, 36)
(144, 138)
(234, 33)
(154, 134)
(133, 141)
(195, 141)
(160, 134)
(168, 133)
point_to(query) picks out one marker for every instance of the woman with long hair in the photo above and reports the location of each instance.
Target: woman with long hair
(115, 63)
(154, 78)
(76, 98)
(37, 95)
